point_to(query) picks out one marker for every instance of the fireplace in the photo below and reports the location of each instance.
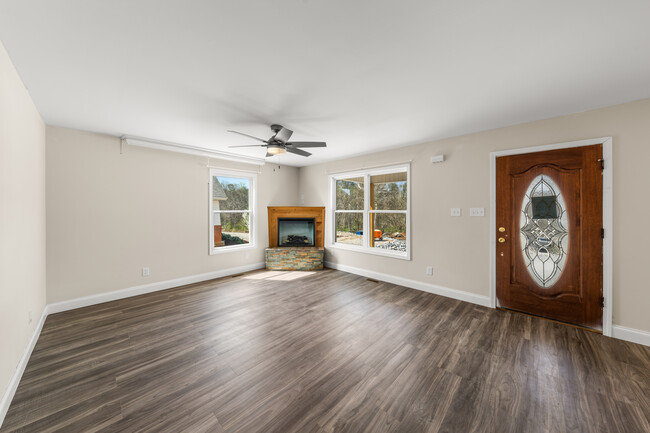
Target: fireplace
(296, 232)
(295, 238)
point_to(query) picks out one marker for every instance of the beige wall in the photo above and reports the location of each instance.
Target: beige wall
(111, 214)
(458, 248)
(22, 219)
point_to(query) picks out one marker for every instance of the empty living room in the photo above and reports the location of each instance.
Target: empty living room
(309, 216)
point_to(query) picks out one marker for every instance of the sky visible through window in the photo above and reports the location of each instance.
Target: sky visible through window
(232, 180)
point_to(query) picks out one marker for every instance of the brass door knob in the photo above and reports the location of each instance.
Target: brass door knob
(502, 240)
(502, 229)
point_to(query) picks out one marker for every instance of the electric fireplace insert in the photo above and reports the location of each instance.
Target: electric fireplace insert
(296, 232)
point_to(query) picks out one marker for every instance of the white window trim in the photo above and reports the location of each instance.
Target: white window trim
(252, 177)
(366, 248)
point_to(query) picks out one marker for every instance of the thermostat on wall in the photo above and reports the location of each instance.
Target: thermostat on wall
(438, 158)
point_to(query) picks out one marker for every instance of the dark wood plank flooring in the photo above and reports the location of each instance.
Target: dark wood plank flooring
(327, 352)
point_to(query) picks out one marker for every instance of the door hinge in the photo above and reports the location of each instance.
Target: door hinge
(602, 164)
(602, 302)
(602, 233)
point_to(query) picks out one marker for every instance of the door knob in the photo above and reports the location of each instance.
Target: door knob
(502, 240)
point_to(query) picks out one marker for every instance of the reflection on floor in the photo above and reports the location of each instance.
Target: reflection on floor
(279, 275)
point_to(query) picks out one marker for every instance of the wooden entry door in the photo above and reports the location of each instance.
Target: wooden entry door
(549, 250)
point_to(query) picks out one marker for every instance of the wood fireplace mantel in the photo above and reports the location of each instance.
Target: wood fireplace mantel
(318, 213)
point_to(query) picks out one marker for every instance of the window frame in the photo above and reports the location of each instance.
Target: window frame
(252, 202)
(367, 212)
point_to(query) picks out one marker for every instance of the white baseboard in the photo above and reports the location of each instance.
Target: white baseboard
(8, 395)
(86, 301)
(413, 284)
(630, 334)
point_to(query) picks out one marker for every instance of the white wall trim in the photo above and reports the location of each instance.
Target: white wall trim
(190, 150)
(632, 335)
(9, 393)
(608, 243)
(413, 284)
(607, 217)
(86, 301)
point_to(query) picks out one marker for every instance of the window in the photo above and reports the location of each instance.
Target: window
(232, 204)
(370, 211)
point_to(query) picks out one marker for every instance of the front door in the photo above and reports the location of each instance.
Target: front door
(549, 250)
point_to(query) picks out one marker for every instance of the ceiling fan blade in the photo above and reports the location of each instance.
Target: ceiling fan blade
(297, 151)
(283, 135)
(249, 145)
(307, 144)
(249, 136)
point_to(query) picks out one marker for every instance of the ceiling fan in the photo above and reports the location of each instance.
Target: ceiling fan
(279, 143)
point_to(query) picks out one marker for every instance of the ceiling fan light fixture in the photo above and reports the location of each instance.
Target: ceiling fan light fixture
(279, 144)
(275, 149)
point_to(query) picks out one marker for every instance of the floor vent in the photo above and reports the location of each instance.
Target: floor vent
(236, 275)
(372, 280)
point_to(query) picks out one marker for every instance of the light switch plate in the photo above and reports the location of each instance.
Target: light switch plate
(455, 211)
(477, 211)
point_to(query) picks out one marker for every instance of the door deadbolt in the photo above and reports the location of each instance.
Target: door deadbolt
(502, 229)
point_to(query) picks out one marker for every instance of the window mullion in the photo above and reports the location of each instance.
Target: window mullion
(366, 210)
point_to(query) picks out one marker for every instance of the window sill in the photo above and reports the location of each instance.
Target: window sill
(374, 251)
(231, 249)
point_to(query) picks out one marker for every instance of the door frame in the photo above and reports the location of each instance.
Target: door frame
(607, 217)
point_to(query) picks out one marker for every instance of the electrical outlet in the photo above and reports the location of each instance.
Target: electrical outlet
(477, 211)
(302, 198)
(145, 272)
(429, 270)
(455, 211)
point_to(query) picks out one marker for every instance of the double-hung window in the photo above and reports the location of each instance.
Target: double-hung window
(370, 211)
(232, 210)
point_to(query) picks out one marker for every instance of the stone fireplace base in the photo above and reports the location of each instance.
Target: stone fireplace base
(295, 258)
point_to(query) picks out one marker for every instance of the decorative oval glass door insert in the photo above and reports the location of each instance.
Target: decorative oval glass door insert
(544, 232)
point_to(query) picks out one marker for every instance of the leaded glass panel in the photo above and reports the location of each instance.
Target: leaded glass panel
(544, 231)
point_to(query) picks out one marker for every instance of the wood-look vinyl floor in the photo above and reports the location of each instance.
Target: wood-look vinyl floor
(326, 352)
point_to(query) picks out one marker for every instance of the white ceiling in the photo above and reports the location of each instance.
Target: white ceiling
(363, 75)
